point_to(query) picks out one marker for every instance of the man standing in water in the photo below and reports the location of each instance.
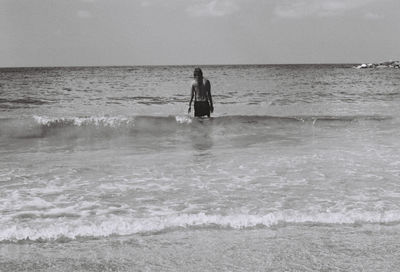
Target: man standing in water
(201, 92)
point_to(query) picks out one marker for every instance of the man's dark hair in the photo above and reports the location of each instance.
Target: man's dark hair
(198, 71)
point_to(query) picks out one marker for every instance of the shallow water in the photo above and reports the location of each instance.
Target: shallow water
(297, 170)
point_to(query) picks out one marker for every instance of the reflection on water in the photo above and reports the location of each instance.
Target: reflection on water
(201, 135)
(202, 141)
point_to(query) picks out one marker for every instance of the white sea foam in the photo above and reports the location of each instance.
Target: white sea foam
(183, 119)
(82, 121)
(116, 225)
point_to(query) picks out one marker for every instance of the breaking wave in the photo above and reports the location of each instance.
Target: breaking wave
(120, 226)
(42, 126)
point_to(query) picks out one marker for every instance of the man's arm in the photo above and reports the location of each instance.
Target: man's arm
(208, 88)
(191, 99)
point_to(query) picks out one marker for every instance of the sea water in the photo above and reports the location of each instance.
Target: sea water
(101, 168)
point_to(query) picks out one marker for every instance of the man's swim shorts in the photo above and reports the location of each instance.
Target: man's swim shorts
(201, 108)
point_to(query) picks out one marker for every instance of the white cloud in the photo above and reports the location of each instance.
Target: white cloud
(160, 3)
(215, 8)
(84, 14)
(196, 8)
(372, 16)
(320, 8)
(146, 3)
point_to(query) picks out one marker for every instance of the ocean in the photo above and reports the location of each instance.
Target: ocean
(103, 169)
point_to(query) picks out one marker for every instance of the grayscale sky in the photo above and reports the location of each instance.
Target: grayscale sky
(167, 32)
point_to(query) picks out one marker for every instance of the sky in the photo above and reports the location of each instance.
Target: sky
(197, 32)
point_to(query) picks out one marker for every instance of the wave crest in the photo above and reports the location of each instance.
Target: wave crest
(126, 226)
(82, 121)
(42, 126)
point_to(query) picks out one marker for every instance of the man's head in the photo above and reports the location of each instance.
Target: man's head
(198, 73)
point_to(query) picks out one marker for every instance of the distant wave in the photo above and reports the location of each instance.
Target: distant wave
(127, 226)
(26, 100)
(8, 104)
(42, 126)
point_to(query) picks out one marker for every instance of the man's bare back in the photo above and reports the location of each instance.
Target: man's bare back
(201, 89)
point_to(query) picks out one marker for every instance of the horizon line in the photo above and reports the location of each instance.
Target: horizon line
(175, 65)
